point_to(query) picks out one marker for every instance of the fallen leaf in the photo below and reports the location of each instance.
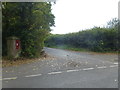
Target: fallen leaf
(34, 69)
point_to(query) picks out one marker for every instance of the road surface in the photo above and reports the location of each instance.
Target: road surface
(64, 69)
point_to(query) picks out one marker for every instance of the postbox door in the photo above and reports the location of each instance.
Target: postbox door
(17, 44)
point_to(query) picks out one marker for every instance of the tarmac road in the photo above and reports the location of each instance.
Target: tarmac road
(65, 69)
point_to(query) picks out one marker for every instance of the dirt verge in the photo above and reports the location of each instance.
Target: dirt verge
(16, 62)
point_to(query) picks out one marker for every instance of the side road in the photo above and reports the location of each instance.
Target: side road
(65, 61)
(61, 60)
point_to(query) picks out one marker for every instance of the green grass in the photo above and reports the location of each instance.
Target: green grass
(66, 47)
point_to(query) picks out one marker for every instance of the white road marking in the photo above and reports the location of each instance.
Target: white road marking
(102, 67)
(113, 65)
(12, 78)
(33, 75)
(115, 80)
(55, 72)
(116, 63)
(72, 70)
(87, 68)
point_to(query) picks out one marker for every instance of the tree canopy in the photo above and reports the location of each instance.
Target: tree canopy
(30, 22)
(95, 39)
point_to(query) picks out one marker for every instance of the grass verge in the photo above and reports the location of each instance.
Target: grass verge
(65, 47)
(16, 62)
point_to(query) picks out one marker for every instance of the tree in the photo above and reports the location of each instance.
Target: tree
(30, 22)
(113, 23)
(95, 39)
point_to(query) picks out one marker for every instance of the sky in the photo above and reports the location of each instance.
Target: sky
(77, 15)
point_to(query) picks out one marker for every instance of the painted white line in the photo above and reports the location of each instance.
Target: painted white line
(113, 65)
(33, 75)
(87, 68)
(102, 67)
(12, 78)
(116, 63)
(96, 65)
(115, 80)
(54, 72)
(72, 70)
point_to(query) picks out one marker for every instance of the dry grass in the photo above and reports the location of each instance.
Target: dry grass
(101, 53)
(16, 62)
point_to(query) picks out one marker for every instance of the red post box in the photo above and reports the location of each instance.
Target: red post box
(13, 47)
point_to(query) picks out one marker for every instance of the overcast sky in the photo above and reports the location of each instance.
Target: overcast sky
(76, 15)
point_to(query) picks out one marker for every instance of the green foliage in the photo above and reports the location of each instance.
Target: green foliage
(96, 39)
(30, 22)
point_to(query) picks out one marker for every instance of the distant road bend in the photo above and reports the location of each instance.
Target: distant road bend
(65, 69)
